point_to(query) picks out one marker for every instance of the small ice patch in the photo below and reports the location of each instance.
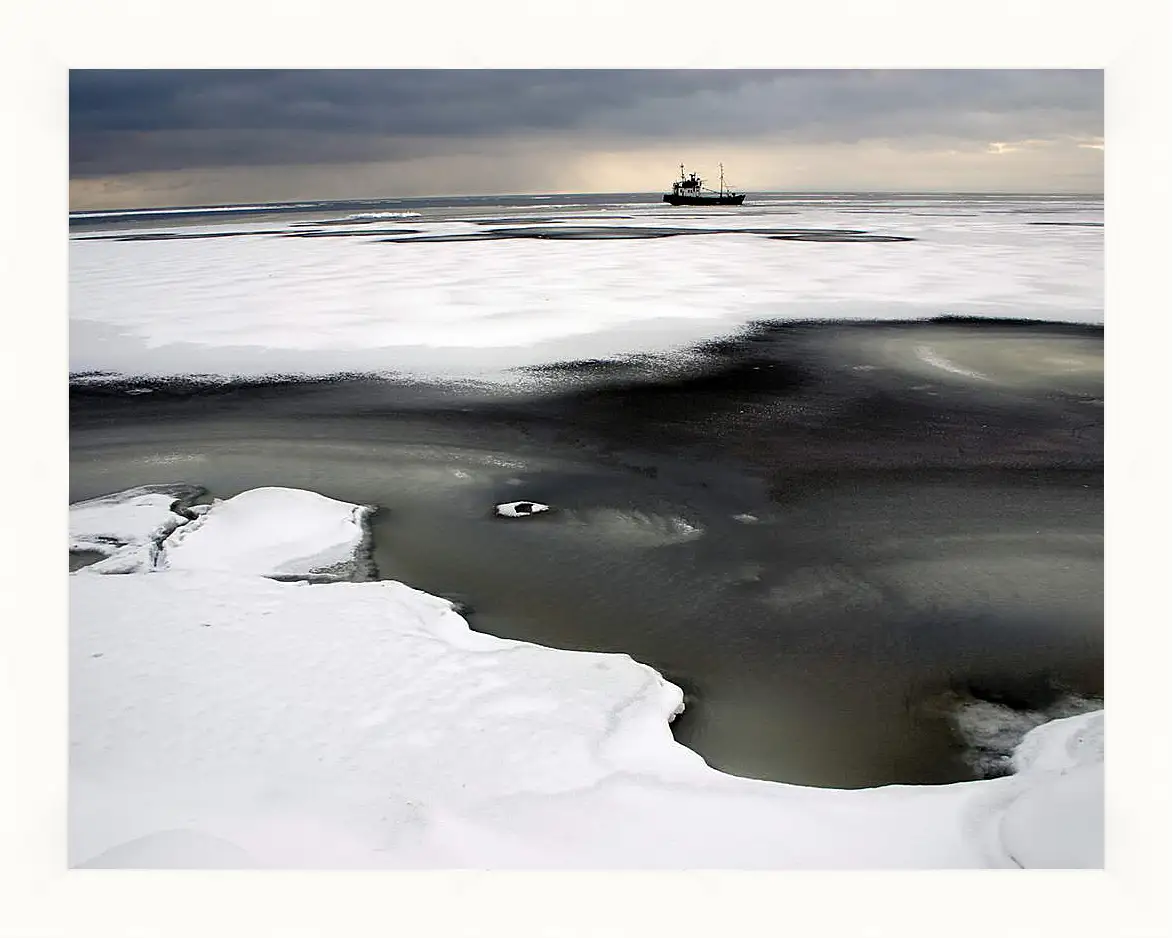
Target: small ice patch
(502, 463)
(929, 357)
(167, 459)
(375, 215)
(519, 509)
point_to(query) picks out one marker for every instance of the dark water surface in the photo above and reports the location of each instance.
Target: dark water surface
(818, 532)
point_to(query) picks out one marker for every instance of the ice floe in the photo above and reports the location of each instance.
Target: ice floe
(271, 532)
(377, 215)
(519, 509)
(127, 527)
(223, 719)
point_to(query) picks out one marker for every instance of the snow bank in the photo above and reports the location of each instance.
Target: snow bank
(1059, 821)
(172, 850)
(271, 532)
(222, 719)
(993, 732)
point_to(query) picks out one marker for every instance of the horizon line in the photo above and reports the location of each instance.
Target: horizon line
(308, 202)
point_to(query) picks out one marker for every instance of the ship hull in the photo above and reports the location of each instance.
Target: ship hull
(704, 199)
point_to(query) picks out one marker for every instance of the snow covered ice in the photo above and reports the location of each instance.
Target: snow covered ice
(269, 531)
(127, 527)
(269, 299)
(221, 718)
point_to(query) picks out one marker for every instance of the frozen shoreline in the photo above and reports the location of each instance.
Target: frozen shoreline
(213, 708)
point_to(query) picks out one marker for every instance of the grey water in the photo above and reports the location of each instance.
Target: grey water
(540, 208)
(826, 586)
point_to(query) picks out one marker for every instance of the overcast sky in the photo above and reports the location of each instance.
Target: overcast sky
(156, 138)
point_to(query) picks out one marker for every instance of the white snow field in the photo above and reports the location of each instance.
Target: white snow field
(259, 303)
(220, 718)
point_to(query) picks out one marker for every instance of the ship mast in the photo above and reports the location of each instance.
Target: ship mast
(722, 165)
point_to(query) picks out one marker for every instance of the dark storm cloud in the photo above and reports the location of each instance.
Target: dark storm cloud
(848, 106)
(125, 121)
(359, 101)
